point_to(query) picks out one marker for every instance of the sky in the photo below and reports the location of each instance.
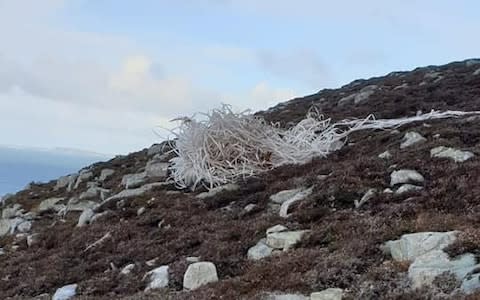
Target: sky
(106, 75)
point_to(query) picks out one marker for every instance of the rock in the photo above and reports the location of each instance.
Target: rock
(300, 195)
(476, 72)
(470, 284)
(328, 294)
(2, 252)
(32, 239)
(80, 206)
(432, 75)
(199, 274)
(359, 97)
(105, 174)
(250, 207)
(127, 269)
(387, 191)
(158, 149)
(226, 187)
(24, 226)
(405, 176)
(94, 193)
(406, 188)
(85, 217)
(454, 154)
(82, 177)
(259, 251)
(65, 292)
(156, 169)
(411, 138)
(402, 86)
(141, 210)
(366, 197)
(276, 228)
(385, 155)
(51, 204)
(410, 246)
(4, 227)
(65, 181)
(284, 240)
(472, 62)
(425, 268)
(131, 181)
(192, 259)
(125, 194)
(11, 212)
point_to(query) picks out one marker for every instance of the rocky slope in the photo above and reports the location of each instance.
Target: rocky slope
(393, 215)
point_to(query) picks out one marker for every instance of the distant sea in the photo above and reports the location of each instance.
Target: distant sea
(20, 166)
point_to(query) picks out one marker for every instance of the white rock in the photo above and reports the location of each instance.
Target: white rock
(361, 96)
(259, 251)
(2, 252)
(250, 207)
(279, 296)
(454, 154)
(32, 239)
(82, 177)
(105, 174)
(405, 188)
(141, 210)
(50, 203)
(387, 191)
(405, 176)
(385, 155)
(285, 239)
(24, 226)
(328, 294)
(131, 193)
(470, 284)
(94, 193)
(132, 181)
(4, 227)
(226, 187)
(192, 259)
(300, 195)
(413, 245)
(476, 72)
(365, 198)
(11, 212)
(156, 169)
(156, 149)
(199, 274)
(411, 138)
(127, 269)
(425, 268)
(85, 217)
(65, 292)
(432, 75)
(66, 181)
(276, 228)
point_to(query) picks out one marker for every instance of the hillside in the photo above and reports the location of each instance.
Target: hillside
(104, 230)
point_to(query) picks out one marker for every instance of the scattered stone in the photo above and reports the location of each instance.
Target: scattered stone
(284, 240)
(359, 97)
(328, 294)
(51, 204)
(66, 181)
(436, 136)
(24, 226)
(2, 252)
(250, 207)
(151, 262)
(127, 269)
(12, 212)
(158, 278)
(387, 191)
(259, 251)
(82, 177)
(425, 268)
(156, 169)
(406, 188)
(105, 174)
(368, 195)
(405, 176)
(476, 72)
(4, 227)
(100, 241)
(129, 194)
(454, 154)
(199, 274)
(410, 246)
(298, 196)
(141, 210)
(411, 138)
(157, 149)
(432, 75)
(385, 155)
(132, 181)
(192, 259)
(32, 239)
(402, 86)
(226, 187)
(94, 193)
(279, 296)
(65, 292)
(276, 228)
(85, 217)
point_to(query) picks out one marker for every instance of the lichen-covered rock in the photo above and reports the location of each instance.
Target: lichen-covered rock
(405, 176)
(132, 181)
(284, 240)
(105, 174)
(65, 292)
(454, 154)
(259, 251)
(158, 278)
(407, 188)
(411, 138)
(199, 274)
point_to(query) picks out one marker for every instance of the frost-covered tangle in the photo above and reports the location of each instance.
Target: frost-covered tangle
(225, 145)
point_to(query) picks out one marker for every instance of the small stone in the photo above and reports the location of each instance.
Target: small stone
(276, 228)
(65, 292)
(279, 296)
(141, 210)
(24, 226)
(192, 259)
(250, 207)
(387, 191)
(259, 251)
(406, 188)
(411, 138)
(82, 177)
(199, 274)
(300, 195)
(476, 72)
(328, 294)
(4, 227)
(454, 154)
(66, 181)
(151, 262)
(32, 239)
(366, 197)
(156, 169)
(405, 176)
(385, 155)
(127, 269)
(226, 187)
(105, 174)
(85, 217)
(470, 284)
(132, 181)
(284, 240)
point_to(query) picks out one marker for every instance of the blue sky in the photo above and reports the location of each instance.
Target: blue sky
(99, 75)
